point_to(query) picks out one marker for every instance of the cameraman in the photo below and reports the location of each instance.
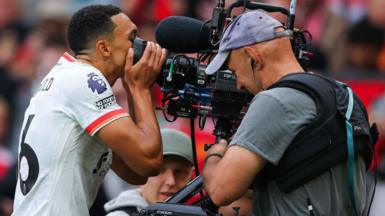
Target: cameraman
(256, 47)
(74, 130)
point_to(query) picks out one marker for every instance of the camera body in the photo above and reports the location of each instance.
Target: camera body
(188, 92)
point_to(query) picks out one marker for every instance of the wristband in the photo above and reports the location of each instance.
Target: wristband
(211, 155)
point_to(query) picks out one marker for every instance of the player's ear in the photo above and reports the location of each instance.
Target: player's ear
(103, 48)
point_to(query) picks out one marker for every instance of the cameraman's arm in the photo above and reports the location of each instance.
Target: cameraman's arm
(227, 179)
(138, 142)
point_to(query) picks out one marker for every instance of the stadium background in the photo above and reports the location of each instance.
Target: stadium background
(348, 43)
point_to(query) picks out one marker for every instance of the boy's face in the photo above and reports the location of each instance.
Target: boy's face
(175, 174)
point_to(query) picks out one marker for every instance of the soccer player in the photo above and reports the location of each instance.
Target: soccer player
(74, 130)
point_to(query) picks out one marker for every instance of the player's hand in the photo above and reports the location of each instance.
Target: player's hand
(144, 73)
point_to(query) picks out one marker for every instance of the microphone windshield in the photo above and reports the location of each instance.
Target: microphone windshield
(183, 34)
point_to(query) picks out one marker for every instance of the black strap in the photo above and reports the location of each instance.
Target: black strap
(374, 133)
(320, 89)
(322, 144)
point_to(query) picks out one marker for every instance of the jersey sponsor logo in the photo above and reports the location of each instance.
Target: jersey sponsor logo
(95, 83)
(105, 102)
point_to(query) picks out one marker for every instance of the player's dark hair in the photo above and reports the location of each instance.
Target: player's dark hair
(88, 24)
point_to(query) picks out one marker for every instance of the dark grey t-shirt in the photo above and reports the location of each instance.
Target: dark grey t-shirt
(274, 118)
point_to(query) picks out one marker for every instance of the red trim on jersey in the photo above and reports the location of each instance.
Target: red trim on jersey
(68, 57)
(104, 119)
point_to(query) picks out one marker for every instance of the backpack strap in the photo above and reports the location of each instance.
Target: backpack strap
(323, 143)
(303, 155)
(350, 148)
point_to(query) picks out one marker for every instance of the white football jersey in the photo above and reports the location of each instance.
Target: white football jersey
(61, 163)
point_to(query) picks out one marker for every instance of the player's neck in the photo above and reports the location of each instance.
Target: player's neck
(101, 66)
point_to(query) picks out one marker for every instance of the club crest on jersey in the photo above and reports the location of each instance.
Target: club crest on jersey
(95, 83)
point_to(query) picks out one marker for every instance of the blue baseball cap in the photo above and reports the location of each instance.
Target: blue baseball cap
(246, 29)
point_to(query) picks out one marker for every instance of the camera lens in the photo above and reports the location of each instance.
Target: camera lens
(139, 46)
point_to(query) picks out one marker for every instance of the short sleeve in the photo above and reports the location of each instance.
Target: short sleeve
(273, 120)
(89, 99)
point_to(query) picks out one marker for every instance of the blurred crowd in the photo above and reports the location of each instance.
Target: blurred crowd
(347, 42)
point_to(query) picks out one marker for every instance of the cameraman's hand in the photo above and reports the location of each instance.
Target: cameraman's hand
(220, 147)
(144, 73)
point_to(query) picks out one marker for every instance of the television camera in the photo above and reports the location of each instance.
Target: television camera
(189, 93)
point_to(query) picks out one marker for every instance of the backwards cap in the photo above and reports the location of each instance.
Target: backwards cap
(247, 29)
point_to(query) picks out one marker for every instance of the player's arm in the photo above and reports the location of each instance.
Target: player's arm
(118, 165)
(125, 172)
(138, 142)
(229, 178)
